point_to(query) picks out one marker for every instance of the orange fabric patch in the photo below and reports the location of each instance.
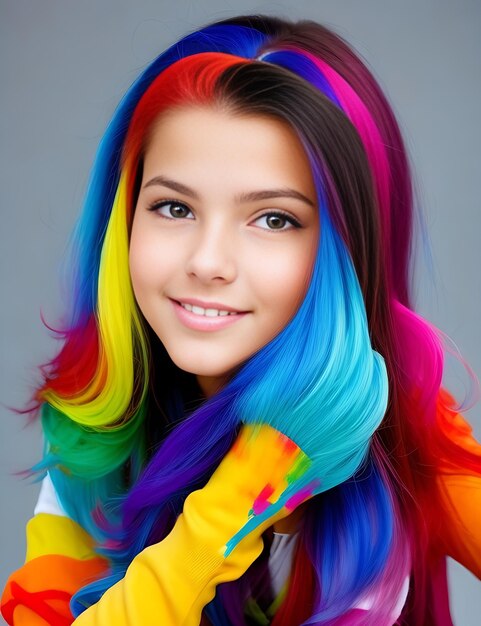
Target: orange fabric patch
(43, 588)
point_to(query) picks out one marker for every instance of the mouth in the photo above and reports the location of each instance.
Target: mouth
(198, 310)
(203, 318)
(213, 309)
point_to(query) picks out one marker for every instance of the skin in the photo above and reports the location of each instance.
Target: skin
(206, 244)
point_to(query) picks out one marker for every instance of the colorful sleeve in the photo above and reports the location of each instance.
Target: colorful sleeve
(169, 583)
(59, 560)
(461, 493)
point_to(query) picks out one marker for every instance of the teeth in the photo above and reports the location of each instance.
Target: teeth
(198, 310)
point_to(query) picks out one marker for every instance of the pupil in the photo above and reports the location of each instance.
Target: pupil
(275, 221)
(177, 210)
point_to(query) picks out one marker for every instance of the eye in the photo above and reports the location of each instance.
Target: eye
(171, 209)
(278, 221)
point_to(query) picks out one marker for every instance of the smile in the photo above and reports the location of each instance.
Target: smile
(198, 310)
(198, 318)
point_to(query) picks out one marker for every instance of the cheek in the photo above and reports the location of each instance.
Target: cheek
(150, 259)
(282, 281)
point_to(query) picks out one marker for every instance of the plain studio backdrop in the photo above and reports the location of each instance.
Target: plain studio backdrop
(64, 66)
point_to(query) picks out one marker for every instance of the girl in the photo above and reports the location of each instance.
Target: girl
(246, 424)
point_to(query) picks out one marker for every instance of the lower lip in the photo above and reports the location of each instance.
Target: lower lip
(201, 322)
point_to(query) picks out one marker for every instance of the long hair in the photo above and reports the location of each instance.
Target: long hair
(119, 417)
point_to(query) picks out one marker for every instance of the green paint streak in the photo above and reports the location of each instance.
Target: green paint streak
(300, 467)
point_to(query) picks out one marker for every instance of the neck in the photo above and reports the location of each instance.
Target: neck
(210, 385)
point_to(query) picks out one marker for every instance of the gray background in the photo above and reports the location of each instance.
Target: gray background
(65, 64)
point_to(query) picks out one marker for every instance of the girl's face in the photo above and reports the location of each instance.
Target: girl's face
(224, 237)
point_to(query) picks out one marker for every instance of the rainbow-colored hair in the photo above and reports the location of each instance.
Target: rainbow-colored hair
(97, 400)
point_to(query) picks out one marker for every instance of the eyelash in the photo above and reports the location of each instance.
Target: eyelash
(157, 205)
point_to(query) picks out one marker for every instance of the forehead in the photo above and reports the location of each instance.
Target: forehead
(196, 139)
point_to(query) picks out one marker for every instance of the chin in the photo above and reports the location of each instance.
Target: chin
(201, 367)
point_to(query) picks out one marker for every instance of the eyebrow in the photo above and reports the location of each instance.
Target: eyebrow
(251, 196)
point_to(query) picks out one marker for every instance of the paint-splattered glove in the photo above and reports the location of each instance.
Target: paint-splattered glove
(169, 583)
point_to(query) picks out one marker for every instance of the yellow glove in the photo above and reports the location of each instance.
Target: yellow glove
(170, 582)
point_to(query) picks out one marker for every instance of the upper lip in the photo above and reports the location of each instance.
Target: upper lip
(207, 305)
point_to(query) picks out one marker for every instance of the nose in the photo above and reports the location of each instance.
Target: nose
(212, 255)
